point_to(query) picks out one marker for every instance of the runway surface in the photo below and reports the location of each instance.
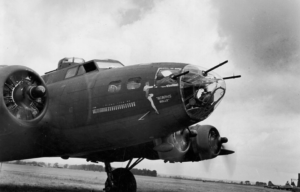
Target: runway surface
(21, 178)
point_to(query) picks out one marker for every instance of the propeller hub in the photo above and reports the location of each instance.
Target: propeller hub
(223, 140)
(37, 91)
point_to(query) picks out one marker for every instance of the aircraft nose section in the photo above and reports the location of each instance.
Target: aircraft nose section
(201, 92)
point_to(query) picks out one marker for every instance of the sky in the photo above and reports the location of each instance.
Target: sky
(260, 113)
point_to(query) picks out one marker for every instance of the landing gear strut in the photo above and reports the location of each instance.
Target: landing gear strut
(120, 179)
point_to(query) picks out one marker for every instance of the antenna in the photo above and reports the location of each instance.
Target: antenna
(205, 72)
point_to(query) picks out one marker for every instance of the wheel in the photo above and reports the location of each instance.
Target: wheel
(123, 180)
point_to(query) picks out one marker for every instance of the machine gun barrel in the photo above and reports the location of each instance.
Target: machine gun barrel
(178, 75)
(232, 77)
(205, 72)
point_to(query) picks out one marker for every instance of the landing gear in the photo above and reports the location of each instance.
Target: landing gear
(121, 179)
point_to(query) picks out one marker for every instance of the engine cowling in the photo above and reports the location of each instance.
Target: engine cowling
(23, 98)
(200, 142)
(208, 143)
(174, 147)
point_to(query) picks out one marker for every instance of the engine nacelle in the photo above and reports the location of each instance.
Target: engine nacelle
(207, 144)
(199, 143)
(23, 98)
(174, 147)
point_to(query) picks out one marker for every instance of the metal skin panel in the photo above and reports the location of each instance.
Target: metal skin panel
(84, 118)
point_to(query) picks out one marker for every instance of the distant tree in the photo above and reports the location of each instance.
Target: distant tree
(260, 183)
(49, 164)
(41, 164)
(146, 172)
(55, 165)
(33, 163)
(87, 167)
(66, 166)
(242, 183)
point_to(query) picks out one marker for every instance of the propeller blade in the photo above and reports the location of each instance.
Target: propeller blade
(229, 159)
(225, 152)
(207, 165)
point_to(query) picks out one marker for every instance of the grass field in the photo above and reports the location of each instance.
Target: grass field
(21, 178)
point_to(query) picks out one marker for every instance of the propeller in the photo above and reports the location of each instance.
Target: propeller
(227, 155)
(216, 146)
(223, 150)
(24, 95)
(229, 159)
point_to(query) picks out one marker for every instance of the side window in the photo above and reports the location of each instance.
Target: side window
(81, 70)
(90, 67)
(71, 72)
(114, 87)
(163, 78)
(134, 83)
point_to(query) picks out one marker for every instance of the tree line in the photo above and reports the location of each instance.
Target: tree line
(144, 172)
(93, 167)
(86, 167)
(31, 163)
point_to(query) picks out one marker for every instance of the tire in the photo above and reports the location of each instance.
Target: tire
(124, 181)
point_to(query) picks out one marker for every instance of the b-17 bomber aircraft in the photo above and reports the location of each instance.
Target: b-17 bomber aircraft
(103, 111)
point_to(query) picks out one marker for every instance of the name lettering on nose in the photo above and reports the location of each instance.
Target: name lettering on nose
(164, 98)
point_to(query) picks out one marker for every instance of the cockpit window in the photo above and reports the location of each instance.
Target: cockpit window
(114, 86)
(108, 65)
(134, 83)
(67, 60)
(72, 60)
(71, 72)
(163, 77)
(90, 66)
(81, 70)
(78, 60)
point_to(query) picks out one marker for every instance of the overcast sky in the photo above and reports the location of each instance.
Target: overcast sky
(260, 113)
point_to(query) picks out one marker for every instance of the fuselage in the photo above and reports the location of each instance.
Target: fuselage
(99, 110)
(111, 108)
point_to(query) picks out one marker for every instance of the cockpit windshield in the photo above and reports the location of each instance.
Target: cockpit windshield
(163, 77)
(201, 92)
(108, 64)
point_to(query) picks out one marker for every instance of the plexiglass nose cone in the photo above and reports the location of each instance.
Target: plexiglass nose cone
(201, 93)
